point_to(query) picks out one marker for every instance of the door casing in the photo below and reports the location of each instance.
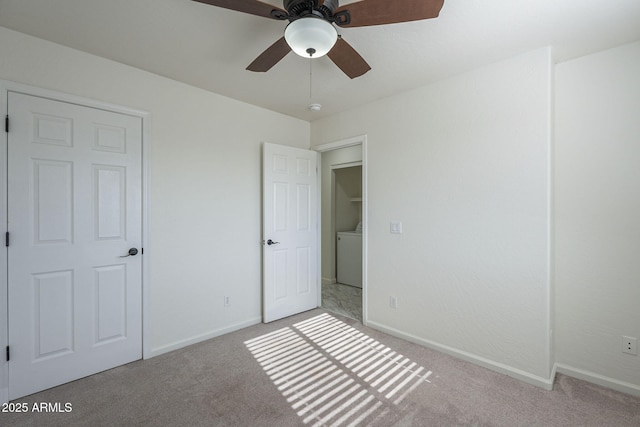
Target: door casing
(343, 143)
(5, 88)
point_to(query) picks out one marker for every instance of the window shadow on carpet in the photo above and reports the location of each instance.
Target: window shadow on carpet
(332, 374)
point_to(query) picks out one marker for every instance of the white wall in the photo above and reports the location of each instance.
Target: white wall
(597, 193)
(332, 159)
(465, 165)
(205, 183)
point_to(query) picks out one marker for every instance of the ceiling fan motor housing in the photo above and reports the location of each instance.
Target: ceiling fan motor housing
(301, 8)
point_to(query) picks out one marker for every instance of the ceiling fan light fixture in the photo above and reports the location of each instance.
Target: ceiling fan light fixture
(311, 37)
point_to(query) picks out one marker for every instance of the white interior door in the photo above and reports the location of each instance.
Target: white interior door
(74, 209)
(290, 224)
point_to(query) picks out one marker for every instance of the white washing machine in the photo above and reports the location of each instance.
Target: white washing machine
(349, 255)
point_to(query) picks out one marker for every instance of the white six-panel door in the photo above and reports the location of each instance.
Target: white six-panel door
(74, 208)
(290, 257)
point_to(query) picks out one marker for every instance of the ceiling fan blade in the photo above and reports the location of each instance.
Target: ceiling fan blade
(253, 7)
(270, 57)
(347, 59)
(380, 12)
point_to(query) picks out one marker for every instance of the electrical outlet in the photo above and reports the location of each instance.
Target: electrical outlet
(630, 345)
(227, 301)
(393, 302)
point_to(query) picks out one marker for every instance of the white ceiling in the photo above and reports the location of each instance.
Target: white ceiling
(210, 47)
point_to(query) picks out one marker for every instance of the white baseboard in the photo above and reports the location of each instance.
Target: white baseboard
(545, 383)
(598, 379)
(202, 337)
(326, 281)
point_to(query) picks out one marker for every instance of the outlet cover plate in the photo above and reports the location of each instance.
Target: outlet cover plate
(630, 345)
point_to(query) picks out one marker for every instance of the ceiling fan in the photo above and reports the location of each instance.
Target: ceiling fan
(311, 32)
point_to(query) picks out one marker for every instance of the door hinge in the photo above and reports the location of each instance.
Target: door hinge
(8, 354)
(6, 123)
(6, 239)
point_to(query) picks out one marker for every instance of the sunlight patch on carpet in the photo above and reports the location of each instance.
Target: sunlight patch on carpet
(333, 374)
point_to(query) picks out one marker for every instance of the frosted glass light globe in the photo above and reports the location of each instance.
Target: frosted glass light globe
(311, 37)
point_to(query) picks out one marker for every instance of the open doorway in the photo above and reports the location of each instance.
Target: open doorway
(343, 212)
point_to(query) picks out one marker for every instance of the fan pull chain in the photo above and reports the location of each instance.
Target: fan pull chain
(310, 51)
(312, 107)
(310, 78)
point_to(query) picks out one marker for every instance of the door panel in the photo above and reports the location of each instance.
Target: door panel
(52, 205)
(290, 219)
(110, 209)
(74, 208)
(110, 303)
(53, 309)
(303, 269)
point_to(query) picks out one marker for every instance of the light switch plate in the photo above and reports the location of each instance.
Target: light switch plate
(396, 227)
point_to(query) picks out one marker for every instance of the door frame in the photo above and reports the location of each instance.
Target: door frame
(344, 143)
(8, 86)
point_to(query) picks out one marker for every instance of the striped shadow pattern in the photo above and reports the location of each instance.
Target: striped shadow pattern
(332, 374)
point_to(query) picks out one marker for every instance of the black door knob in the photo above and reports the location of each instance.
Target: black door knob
(271, 242)
(132, 252)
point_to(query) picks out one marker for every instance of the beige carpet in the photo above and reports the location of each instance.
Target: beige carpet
(318, 368)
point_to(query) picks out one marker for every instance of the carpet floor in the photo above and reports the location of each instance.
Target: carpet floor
(318, 369)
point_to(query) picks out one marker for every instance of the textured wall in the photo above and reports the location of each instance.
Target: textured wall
(465, 165)
(597, 200)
